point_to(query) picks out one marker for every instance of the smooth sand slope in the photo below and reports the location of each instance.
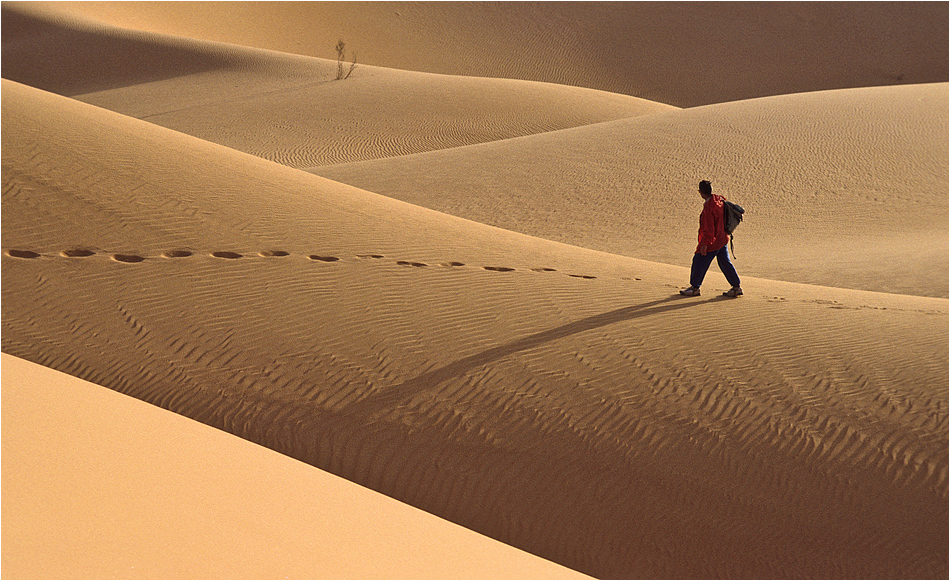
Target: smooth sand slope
(284, 108)
(684, 54)
(157, 495)
(602, 423)
(842, 188)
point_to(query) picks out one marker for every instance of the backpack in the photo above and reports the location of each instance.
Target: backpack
(731, 216)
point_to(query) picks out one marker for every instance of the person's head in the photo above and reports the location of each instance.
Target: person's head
(705, 189)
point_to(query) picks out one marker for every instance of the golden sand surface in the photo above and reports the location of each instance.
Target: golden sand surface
(451, 278)
(159, 496)
(684, 54)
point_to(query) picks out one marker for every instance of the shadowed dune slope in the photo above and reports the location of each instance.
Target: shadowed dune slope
(287, 108)
(684, 54)
(558, 399)
(68, 55)
(219, 507)
(841, 188)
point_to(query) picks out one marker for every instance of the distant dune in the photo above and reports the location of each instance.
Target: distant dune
(683, 54)
(460, 290)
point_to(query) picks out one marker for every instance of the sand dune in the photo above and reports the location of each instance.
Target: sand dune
(479, 323)
(684, 54)
(825, 178)
(814, 170)
(570, 417)
(412, 112)
(210, 511)
(289, 109)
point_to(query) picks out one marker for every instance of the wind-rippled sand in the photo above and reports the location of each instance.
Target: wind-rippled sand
(482, 321)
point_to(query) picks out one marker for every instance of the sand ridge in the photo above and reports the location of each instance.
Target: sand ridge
(440, 309)
(290, 110)
(813, 170)
(685, 55)
(824, 177)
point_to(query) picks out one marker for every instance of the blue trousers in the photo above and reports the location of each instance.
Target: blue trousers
(701, 265)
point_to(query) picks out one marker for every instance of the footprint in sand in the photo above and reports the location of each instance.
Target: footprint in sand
(177, 253)
(78, 253)
(226, 254)
(22, 254)
(181, 253)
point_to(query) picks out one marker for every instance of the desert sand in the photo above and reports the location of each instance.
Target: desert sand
(451, 278)
(160, 496)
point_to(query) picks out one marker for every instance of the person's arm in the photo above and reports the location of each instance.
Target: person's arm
(707, 228)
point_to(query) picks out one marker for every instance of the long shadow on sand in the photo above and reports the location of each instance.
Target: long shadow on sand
(391, 396)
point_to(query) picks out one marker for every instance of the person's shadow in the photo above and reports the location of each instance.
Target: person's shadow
(391, 396)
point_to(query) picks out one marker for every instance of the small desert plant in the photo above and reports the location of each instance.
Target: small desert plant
(340, 56)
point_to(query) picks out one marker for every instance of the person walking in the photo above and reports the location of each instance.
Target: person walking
(713, 243)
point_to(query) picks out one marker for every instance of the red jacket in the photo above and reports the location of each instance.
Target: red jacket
(712, 232)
